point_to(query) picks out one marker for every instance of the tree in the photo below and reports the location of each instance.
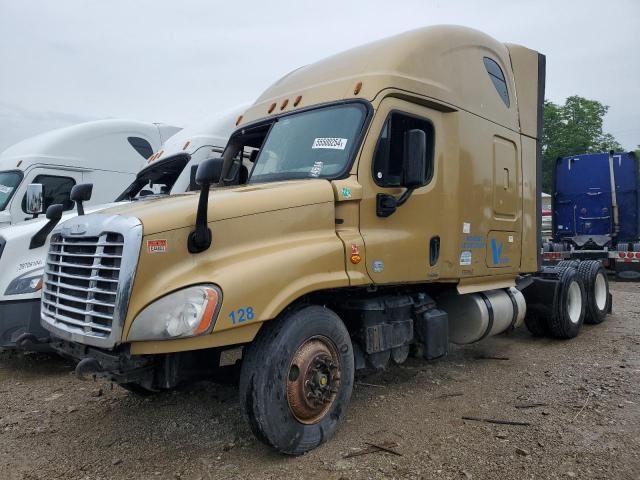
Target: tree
(570, 129)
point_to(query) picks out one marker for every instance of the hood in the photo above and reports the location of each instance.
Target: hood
(179, 211)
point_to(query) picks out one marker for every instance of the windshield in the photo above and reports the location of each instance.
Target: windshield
(9, 181)
(317, 143)
(156, 179)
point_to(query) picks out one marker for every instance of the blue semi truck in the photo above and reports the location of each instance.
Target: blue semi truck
(596, 212)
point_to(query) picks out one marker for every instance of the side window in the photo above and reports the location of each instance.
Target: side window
(387, 160)
(56, 190)
(141, 146)
(497, 77)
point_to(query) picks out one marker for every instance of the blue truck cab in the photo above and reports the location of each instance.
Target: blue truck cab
(596, 210)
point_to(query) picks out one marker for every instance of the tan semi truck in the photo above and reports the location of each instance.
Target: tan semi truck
(392, 205)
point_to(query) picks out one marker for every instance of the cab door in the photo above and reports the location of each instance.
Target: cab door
(404, 246)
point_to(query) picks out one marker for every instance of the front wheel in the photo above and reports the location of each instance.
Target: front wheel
(297, 378)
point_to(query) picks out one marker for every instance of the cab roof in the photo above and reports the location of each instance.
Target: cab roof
(213, 130)
(88, 145)
(441, 64)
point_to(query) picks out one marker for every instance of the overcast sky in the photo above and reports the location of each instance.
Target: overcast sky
(66, 61)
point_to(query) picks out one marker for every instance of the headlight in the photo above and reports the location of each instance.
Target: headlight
(28, 283)
(188, 312)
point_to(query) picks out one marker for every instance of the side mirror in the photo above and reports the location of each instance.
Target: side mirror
(414, 163)
(208, 172)
(35, 199)
(81, 193)
(414, 172)
(54, 214)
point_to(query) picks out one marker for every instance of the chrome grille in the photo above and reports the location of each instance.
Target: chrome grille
(81, 282)
(88, 278)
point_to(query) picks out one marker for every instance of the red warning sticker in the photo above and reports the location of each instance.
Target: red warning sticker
(157, 246)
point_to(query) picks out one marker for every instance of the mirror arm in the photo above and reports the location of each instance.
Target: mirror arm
(200, 238)
(387, 204)
(404, 197)
(40, 237)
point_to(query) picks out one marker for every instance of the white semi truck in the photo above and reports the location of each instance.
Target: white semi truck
(107, 153)
(23, 247)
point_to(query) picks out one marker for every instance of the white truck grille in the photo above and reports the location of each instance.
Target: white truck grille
(81, 282)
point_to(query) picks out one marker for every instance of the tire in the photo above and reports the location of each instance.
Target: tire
(596, 285)
(276, 373)
(537, 323)
(568, 263)
(569, 305)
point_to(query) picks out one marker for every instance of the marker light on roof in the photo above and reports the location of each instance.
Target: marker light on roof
(239, 120)
(285, 102)
(357, 89)
(297, 100)
(272, 107)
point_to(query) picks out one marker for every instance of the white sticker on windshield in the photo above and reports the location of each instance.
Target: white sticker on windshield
(316, 170)
(332, 143)
(5, 189)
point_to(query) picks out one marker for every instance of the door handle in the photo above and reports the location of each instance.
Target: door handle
(434, 250)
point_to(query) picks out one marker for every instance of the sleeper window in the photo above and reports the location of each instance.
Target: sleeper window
(387, 163)
(497, 77)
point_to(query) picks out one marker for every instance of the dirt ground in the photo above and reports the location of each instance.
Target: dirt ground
(580, 400)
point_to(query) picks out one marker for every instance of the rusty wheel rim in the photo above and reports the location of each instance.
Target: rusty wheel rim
(313, 380)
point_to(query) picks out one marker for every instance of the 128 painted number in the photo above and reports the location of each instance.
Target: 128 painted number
(242, 315)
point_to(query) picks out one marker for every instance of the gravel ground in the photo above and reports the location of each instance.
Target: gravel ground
(580, 399)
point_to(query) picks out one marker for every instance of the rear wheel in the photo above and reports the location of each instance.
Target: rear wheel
(569, 306)
(297, 378)
(596, 287)
(536, 322)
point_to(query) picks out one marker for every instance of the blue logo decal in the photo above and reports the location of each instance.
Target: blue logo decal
(496, 249)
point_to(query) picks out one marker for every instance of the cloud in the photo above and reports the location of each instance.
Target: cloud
(173, 62)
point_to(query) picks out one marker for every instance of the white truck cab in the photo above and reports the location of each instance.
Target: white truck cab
(107, 153)
(168, 170)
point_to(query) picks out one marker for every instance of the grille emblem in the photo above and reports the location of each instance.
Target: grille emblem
(78, 229)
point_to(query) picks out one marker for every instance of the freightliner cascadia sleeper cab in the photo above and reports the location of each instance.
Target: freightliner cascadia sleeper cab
(392, 205)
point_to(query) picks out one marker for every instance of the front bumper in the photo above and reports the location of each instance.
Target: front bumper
(115, 366)
(18, 317)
